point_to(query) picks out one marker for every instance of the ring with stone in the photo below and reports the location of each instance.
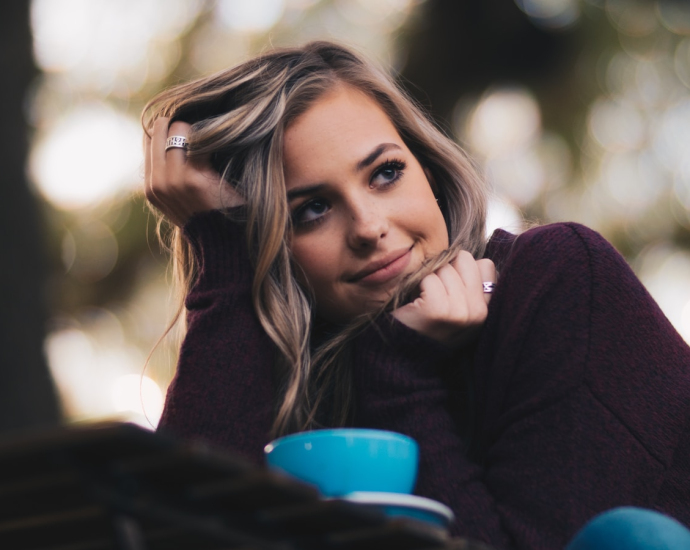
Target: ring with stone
(488, 287)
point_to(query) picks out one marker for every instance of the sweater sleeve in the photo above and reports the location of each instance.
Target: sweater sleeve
(222, 390)
(580, 386)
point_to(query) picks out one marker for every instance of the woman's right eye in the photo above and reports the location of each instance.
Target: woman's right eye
(310, 212)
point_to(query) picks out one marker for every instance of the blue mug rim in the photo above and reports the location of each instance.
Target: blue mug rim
(382, 435)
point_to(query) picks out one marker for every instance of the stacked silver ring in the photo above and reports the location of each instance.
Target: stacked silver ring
(488, 287)
(176, 142)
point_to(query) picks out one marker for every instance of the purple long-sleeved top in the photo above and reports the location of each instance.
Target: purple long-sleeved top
(580, 387)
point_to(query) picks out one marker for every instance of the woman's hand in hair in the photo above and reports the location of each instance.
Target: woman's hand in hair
(452, 305)
(180, 186)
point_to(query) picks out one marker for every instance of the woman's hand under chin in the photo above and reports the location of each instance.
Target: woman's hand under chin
(179, 186)
(452, 305)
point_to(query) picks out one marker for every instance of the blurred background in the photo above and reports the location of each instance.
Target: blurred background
(574, 110)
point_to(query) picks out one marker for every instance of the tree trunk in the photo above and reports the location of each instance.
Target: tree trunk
(27, 394)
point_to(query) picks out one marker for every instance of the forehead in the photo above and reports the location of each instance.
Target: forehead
(344, 124)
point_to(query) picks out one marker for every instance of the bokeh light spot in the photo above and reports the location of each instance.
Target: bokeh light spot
(254, 16)
(616, 126)
(553, 14)
(92, 249)
(503, 121)
(634, 180)
(685, 321)
(675, 15)
(681, 61)
(91, 154)
(672, 136)
(520, 176)
(503, 215)
(387, 8)
(106, 45)
(632, 17)
(665, 271)
(139, 394)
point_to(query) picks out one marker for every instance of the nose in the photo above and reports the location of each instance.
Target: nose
(368, 225)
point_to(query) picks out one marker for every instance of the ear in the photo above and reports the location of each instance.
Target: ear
(431, 180)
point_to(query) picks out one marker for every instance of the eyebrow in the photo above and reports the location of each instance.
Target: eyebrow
(371, 157)
(361, 165)
(301, 191)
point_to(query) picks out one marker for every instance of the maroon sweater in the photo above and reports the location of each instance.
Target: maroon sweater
(579, 387)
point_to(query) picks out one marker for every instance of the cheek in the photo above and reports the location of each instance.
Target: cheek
(313, 261)
(420, 212)
(440, 230)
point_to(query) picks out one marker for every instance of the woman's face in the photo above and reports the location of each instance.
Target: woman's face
(363, 210)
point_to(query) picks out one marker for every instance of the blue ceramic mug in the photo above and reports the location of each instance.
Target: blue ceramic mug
(342, 461)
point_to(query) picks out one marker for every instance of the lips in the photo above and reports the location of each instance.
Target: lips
(384, 269)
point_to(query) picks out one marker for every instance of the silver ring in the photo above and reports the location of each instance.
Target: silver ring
(176, 142)
(488, 287)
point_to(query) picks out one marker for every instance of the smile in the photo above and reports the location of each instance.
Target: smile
(384, 270)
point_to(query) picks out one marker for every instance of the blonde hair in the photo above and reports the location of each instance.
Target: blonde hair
(239, 117)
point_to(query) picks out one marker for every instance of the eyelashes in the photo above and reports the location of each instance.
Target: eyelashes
(315, 210)
(310, 212)
(390, 170)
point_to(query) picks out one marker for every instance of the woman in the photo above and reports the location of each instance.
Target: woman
(330, 242)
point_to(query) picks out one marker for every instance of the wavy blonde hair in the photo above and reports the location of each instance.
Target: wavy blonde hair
(238, 118)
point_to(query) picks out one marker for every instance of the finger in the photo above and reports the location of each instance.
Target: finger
(418, 313)
(452, 281)
(432, 297)
(473, 297)
(176, 157)
(466, 267)
(487, 272)
(432, 293)
(461, 305)
(178, 128)
(159, 133)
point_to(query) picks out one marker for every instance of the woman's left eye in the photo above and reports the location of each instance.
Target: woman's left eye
(388, 173)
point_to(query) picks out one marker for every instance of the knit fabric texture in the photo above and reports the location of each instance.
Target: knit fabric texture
(574, 399)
